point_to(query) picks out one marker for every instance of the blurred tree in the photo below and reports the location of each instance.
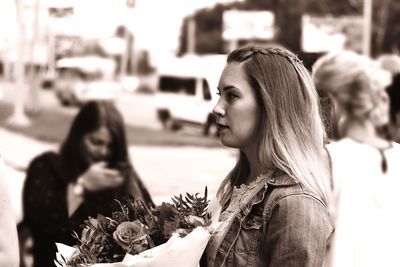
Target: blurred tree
(388, 39)
(339, 7)
(208, 35)
(209, 24)
(288, 15)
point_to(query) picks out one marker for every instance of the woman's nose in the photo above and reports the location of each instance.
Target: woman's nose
(218, 110)
(104, 151)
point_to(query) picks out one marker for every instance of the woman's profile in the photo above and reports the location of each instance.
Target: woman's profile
(274, 208)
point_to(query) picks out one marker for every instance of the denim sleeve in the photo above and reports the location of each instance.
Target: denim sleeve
(298, 233)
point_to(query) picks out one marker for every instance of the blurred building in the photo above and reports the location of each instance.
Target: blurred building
(55, 29)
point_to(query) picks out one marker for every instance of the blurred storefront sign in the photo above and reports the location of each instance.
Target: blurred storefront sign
(247, 25)
(68, 45)
(324, 34)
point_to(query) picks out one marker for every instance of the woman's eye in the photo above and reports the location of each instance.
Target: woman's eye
(231, 97)
(96, 142)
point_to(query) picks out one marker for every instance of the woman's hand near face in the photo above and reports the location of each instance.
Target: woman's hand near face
(99, 177)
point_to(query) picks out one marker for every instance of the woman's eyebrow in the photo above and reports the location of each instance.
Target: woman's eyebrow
(226, 88)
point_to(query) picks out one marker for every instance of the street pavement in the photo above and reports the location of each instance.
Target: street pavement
(166, 171)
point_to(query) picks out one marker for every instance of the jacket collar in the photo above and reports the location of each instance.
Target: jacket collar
(280, 178)
(277, 179)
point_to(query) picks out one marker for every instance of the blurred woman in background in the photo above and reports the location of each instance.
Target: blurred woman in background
(273, 202)
(391, 63)
(365, 162)
(91, 170)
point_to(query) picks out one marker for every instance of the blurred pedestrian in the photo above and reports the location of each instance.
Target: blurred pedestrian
(274, 209)
(8, 229)
(365, 162)
(91, 170)
(391, 63)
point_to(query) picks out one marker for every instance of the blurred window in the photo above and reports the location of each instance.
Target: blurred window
(172, 84)
(69, 74)
(206, 90)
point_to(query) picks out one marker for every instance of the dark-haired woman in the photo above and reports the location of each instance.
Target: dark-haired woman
(91, 170)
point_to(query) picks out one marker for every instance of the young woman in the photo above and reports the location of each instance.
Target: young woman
(365, 162)
(91, 170)
(273, 202)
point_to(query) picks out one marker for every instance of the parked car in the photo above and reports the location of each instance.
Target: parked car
(187, 91)
(81, 79)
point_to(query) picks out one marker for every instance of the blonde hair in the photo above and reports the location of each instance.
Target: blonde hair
(352, 80)
(292, 132)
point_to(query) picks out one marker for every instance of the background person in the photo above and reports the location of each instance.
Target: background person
(391, 63)
(365, 162)
(274, 200)
(91, 170)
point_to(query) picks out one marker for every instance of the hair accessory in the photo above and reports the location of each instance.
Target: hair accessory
(245, 53)
(278, 51)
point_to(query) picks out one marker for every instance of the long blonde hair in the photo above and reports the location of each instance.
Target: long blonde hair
(291, 130)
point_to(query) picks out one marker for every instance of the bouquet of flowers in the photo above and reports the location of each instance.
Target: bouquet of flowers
(138, 236)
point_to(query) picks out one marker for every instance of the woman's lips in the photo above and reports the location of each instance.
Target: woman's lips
(221, 127)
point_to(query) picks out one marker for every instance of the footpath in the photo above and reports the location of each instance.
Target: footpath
(166, 170)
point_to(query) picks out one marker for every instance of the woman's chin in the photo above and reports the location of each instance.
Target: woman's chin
(228, 142)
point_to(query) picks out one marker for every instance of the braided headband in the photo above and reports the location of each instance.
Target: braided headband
(247, 52)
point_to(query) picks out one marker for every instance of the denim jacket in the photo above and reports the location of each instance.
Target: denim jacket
(283, 225)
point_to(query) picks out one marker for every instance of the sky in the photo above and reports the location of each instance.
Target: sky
(156, 23)
(169, 15)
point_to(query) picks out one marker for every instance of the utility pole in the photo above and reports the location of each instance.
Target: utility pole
(129, 46)
(18, 117)
(32, 74)
(191, 36)
(367, 29)
(125, 53)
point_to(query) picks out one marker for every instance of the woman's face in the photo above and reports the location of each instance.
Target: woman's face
(237, 111)
(97, 145)
(380, 115)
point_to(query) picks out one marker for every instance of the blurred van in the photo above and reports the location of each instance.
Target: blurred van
(187, 90)
(81, 79)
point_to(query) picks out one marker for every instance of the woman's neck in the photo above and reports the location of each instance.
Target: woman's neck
(256, 167)
(365, 132)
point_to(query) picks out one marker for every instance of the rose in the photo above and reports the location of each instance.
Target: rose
(132, 237)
